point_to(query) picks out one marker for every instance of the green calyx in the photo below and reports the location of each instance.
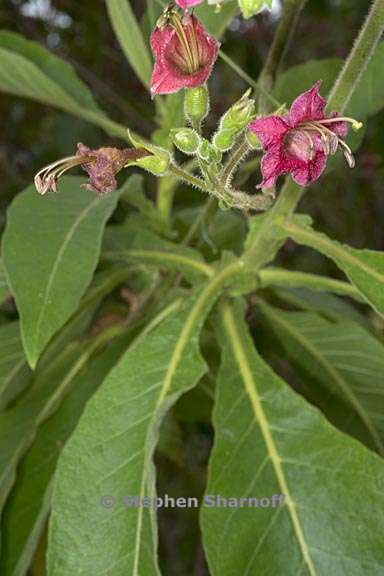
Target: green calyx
(208, 152)
(240, 114)
(159, 160)
(186, 140)
(223, 140)
(196, 104)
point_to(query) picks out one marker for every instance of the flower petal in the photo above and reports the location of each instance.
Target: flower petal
(185, 4)
(308, 106)
(170, 73)
(269, 129)
(273, 163)
(308, 172)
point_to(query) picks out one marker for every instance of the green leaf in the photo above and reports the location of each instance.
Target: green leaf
(364, 268)
(51, 247)
(367, 99)
(133, 242)
(344, 357)
(14, 371)
(300, 78)
(216, 22)
(130, 38)
(28, 505)
(326, 304)
(20, 423)
(251, 7)
(30, 71)
(4, 290)
(115, 441)
(269, 441)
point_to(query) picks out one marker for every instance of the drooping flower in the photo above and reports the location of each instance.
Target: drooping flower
(300, 142)
(185, 4)
(101, 165)
(184, 53)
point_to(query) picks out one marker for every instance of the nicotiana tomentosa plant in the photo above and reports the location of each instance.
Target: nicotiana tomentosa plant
(119, 318)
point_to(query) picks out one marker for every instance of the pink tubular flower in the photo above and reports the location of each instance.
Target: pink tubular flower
(184, 54)
(300, 141)
(185, 4)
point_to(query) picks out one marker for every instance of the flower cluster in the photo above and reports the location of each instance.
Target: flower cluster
(298, 142)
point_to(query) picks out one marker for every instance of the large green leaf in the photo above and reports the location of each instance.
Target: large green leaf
(4, 290)
(344, 357)
(364, 268)
(51, 247)
(28, 505)
(20, 423)
(270, 441)
(14, 371)
(130, 37)
(27, 69)
(114, 444)
(132, 242)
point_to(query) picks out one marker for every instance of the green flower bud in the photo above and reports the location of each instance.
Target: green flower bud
(196, 104)
(208, 152)
(185, 139)
(240, 114)
(159, 160)
(223, 140)
(253, 140)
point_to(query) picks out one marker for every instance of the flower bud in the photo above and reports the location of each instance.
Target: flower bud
(196, 104)
(159, 160)
(223, 140)
(208, 152)
(186, 140)
(239, 115)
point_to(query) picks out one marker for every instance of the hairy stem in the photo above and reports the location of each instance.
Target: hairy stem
(284, 32)
(358, 58)
(264, 245)
(236, 156)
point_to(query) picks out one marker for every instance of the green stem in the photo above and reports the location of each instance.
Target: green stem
(182, 174)
(264, 245)
(250, 81)
(238, 153)
(282, 38)
(358, 58)
(286, 278)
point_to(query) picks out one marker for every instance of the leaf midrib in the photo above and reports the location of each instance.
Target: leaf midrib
(251, 388)
(176, 357)
(60, 255)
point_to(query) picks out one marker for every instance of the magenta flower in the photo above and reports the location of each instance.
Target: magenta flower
(184, 54)
(300, 141)
(185, 4)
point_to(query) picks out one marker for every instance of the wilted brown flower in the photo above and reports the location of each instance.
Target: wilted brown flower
(101, 165)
